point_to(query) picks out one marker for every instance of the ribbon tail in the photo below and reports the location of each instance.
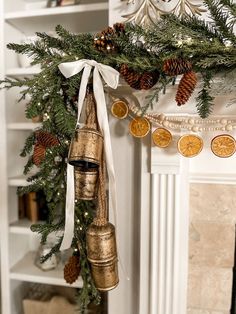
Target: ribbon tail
(82, 89)
(70, 210)
(104, 125)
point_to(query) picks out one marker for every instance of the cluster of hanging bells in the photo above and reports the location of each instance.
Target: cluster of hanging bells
(86, 154)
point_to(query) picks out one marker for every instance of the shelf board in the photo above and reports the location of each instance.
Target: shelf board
(21, 226)
(88, 17)
(18, 181)
(23, 126)
(19, 72)
(80, 8)
(25, 270)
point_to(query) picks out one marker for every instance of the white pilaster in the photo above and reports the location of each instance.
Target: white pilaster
(166, 235)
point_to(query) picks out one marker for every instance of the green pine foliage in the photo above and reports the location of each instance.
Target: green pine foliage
(205, 101)
(209, 46)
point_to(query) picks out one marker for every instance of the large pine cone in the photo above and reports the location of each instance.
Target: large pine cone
(46, 139)
(72, 269)
(176, 66)
(149, 79)
(186, 87)
(130, 76)
(39, 154)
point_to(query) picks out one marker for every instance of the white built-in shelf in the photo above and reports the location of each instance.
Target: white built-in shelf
(25, 270)
(23, 126)
(18, 181)
(81, 8)
(19, 72)
(75, 18)
(21, 226)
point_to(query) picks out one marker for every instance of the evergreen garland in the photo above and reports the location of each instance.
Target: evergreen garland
(210, 47)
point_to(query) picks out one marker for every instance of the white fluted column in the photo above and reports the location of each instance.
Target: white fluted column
(166, 235)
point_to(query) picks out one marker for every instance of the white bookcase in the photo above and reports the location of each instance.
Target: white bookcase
(19, 19)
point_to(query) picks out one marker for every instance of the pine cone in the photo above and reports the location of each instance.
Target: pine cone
(186, 87)
(103, 40)
(46, 139)
(72, 269)
(173, 67)
(119, 28)
(148, 80)
(107, 31)
(124, 70)
(130, 76)
(39, 154)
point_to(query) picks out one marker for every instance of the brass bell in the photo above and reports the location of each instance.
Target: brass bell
(85, 183)
(105, 275)
(102, 254)
(86, 148)
(101, 243)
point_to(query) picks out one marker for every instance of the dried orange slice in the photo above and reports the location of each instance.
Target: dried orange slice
(162, 137)
(223, 145)
(119, 109)
(190, 145)
(139, 127)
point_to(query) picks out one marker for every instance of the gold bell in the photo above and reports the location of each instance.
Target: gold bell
(85, 183)
(86, 148)
(102, 254)
(101, 243)
(105, 275)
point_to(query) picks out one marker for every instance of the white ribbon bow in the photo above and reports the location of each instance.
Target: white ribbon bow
(111, 78)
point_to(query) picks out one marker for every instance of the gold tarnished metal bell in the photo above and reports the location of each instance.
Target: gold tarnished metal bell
(105, 275)
(85, 183)
(86, 148)
(101, 243)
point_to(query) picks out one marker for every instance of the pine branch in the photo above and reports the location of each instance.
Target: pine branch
(54, 250)
(202, 27)
(221, 17)
(47, 228)
(28, 145)
(204, 99)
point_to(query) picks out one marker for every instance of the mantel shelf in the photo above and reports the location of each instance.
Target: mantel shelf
(25, 270)
(81, 8)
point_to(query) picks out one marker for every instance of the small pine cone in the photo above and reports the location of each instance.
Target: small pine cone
(130, 76)
(148, 80)
(46, 139)
(72, 269)
(107, 31)
(39, 154)
(186, 87)
(173, 67)
(103, 43)
(119, 28)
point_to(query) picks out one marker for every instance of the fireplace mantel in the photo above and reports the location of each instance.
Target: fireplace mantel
(164, 235)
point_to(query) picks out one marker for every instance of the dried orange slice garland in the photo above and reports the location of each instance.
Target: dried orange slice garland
(119, 109)
(139, 127)
(223, 146)
(162, 137)
(190, 145)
